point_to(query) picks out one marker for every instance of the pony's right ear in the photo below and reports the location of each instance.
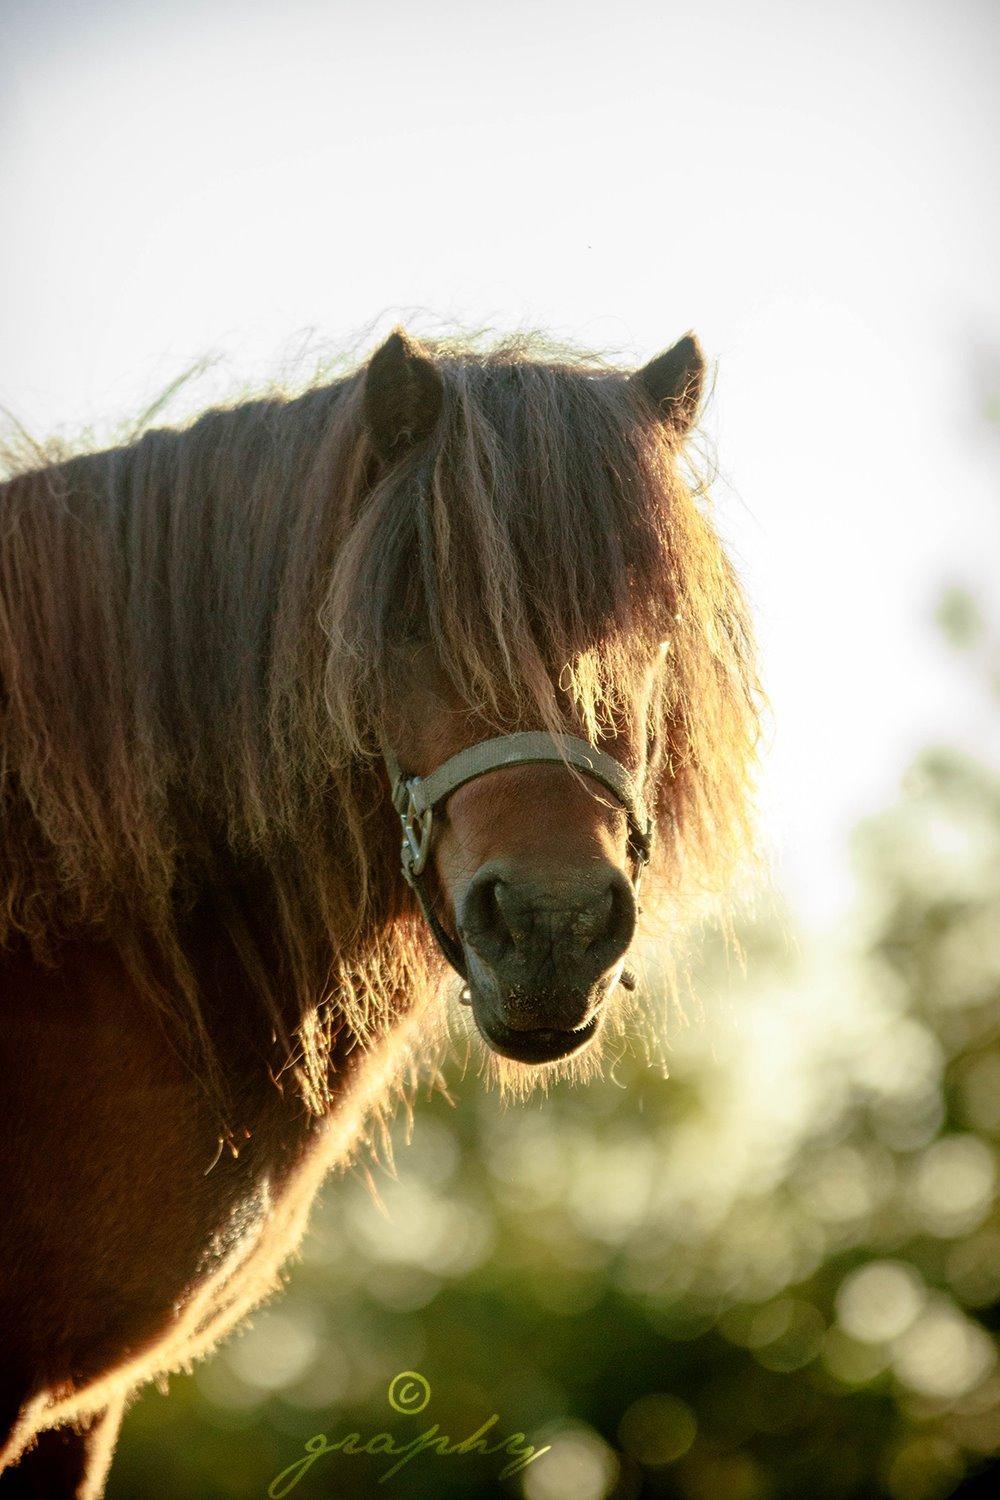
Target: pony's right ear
(403, 395)
(673, 382)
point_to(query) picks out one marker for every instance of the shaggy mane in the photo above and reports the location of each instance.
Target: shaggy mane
(199, 641)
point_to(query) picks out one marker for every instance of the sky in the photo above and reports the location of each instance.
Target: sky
(812, 189)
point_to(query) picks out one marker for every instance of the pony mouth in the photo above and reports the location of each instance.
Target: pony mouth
(540, 1044)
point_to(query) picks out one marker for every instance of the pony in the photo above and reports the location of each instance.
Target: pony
(468, 595)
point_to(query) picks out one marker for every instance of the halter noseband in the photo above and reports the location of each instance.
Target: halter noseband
(415, 799)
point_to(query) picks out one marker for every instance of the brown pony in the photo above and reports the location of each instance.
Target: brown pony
(213, 975)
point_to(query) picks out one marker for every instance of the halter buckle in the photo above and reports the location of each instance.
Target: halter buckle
(642, 849)
(417, 825)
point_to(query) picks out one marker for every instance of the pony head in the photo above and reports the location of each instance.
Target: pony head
(528, 558)
(210, 636)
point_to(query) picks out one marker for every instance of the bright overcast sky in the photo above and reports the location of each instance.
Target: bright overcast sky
(813, 188)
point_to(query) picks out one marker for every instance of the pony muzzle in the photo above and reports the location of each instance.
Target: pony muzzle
(543, 954)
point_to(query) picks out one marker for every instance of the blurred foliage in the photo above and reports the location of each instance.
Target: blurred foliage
(774, 1273)
(959, 617)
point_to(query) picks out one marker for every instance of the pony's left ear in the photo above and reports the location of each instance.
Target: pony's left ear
(673, 382)
(403, 395)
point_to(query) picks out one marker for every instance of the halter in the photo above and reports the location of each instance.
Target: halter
(415, 799)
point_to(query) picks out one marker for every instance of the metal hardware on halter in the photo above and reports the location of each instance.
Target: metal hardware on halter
(415, 798)
(417, 828)
(641, 853)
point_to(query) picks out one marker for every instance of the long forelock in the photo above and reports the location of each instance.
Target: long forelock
(527, 544)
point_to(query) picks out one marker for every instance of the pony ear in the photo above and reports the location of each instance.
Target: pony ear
(673, 382)
(403, 395)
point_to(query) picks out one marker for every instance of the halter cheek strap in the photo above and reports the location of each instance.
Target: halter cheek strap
(415, 799)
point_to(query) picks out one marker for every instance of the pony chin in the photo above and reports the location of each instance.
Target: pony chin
(516, 1081)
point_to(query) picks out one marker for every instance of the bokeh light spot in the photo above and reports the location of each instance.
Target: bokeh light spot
(879, 1301)
(578, 1466)
(657, 1429)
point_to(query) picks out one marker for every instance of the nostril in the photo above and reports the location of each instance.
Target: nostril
(601, 918)
(494, 919)
(613, 915)
(513, 914)
(486, 918)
